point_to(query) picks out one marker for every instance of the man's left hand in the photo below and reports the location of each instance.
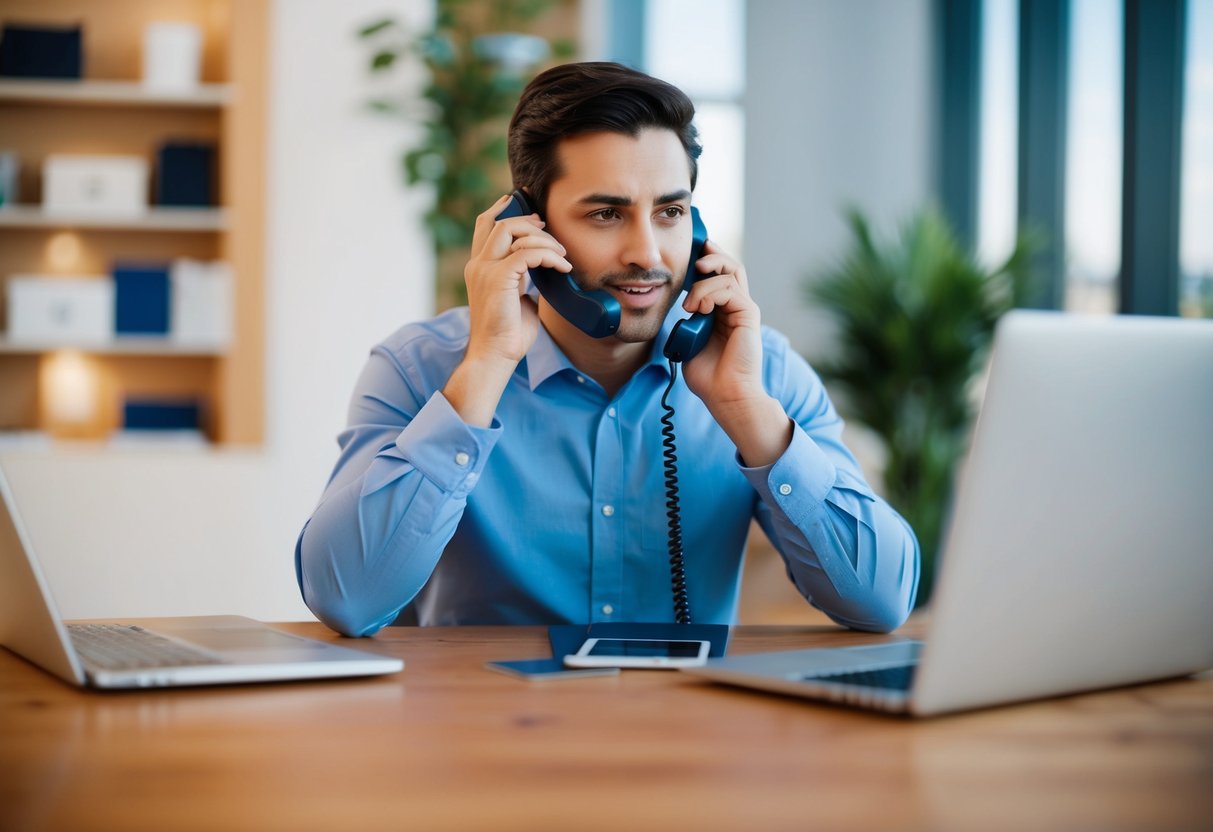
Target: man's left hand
(727, 373)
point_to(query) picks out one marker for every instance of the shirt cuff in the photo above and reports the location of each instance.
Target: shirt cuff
(796, 483)
(444, 448)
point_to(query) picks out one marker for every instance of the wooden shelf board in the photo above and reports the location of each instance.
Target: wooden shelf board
(156, 219)
(128, 345)
(112, 93)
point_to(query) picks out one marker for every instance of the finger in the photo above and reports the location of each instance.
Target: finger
(707, 285)
(717, 261)
(538, 241)
(719, 292)
(485, 222)
(533, 258)
(505, 232)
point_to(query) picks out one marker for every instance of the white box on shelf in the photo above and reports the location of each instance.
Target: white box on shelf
(107, 186)
(68, 311)
(172, 56)
(200, 298)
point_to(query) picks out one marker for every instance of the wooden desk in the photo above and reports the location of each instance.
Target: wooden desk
(449, 745)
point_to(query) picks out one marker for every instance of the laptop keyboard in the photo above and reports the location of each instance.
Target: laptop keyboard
(886, 678)
(127, 647)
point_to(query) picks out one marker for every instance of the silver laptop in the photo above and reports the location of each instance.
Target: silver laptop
(161, 652)
(1079, 552)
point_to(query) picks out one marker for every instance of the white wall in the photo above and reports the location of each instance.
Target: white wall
(126, 533)
(349, 260)
(839, 99)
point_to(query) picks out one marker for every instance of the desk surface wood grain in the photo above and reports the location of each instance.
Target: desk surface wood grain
(449, 745)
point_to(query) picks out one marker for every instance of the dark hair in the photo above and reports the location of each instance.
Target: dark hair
(573, 99)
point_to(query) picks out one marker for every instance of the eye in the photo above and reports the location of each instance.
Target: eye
(672, 212)
(605, 215)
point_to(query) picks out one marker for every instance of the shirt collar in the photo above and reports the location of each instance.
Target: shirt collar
(544, 359)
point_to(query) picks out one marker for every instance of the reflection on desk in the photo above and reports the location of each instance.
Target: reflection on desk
(450, 745)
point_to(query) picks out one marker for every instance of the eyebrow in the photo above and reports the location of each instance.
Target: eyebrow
(623, 201)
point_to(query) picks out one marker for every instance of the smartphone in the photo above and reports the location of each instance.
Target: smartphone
(542, 669)
(639, 652)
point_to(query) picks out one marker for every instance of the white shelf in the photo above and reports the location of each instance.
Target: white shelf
(150, 345)
(113, 93)
(156, 219)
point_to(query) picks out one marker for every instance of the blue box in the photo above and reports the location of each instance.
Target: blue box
(41, 51)
(161, 414)
(141, 299)
(185, 173)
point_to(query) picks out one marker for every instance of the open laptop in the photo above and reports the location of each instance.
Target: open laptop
(1079, 552)
(161, 652)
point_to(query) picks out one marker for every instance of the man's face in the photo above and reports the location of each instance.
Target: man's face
(622, 209)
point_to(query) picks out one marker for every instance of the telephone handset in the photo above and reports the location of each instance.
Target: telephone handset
(596, 313)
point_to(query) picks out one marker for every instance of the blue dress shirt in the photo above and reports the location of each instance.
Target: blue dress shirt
(556, 512)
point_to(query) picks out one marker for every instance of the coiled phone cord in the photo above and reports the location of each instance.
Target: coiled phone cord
(678, 577)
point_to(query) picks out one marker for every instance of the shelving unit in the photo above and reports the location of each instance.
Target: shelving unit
(113, 112)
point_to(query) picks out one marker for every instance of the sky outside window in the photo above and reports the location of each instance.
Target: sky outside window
(1094, 156)
(699, 46)
(1196, 184)
(999, 167)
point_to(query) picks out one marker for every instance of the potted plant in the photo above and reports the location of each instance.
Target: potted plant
(478, 63)
(916, 317)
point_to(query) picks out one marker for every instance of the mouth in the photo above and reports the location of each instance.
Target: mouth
(637, 296)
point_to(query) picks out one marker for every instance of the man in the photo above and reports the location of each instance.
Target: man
(503, 467)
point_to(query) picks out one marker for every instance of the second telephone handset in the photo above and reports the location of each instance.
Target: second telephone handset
(596, 313)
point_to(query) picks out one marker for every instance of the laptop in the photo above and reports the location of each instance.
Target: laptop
(160, 652)
(1079, 550)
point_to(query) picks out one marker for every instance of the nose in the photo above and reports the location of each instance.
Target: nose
(641, 249)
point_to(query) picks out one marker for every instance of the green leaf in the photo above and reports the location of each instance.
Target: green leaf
(437, 49)
(448, 232)
(383, 60)
(495, 149)
(376, 27)
(424, 165)
(383, 105)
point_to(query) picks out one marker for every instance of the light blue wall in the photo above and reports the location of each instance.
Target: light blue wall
(839, 107)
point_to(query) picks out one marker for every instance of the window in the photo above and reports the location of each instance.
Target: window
(699, 46)
(1115, 62)
(996, 217)
(1094, 157)
(1196, 178)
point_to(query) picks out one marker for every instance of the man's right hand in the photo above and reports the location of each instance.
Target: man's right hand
(504, 319)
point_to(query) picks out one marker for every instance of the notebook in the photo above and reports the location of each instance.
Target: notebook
(1079, 550)
(160, 652)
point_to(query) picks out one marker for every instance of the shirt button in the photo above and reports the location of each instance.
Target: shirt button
(608, 511)
(611, 412)
(607, 609)
(581, 379)
(785, 489)
(462, 459)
